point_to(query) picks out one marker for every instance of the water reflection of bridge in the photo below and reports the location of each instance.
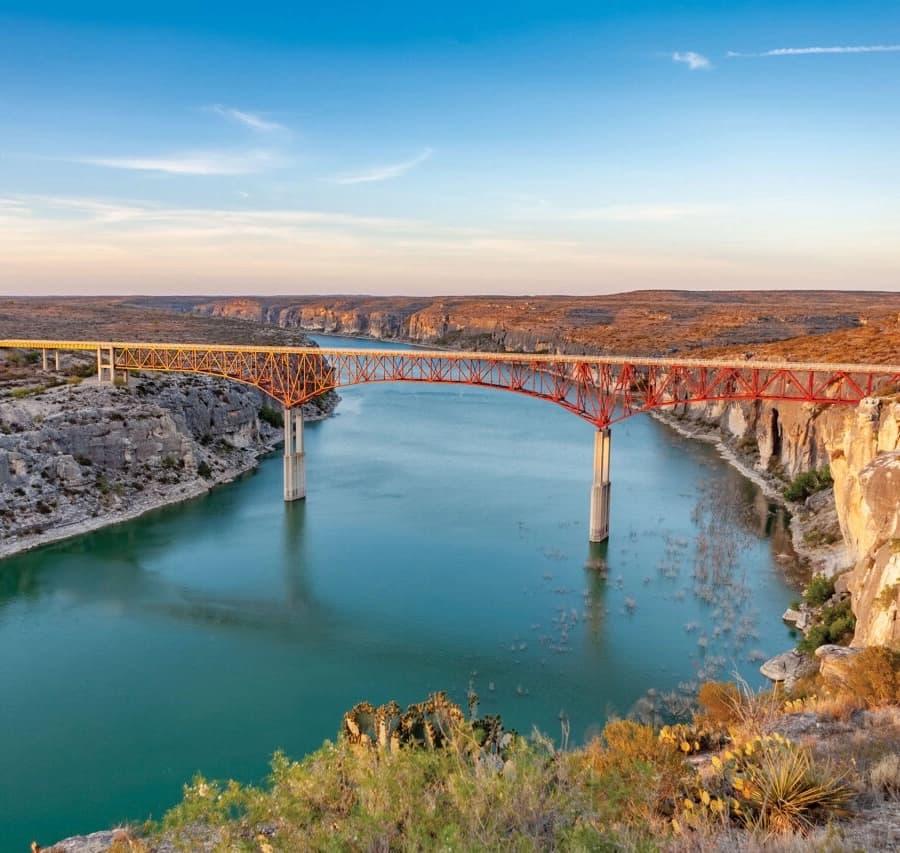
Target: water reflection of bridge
(600, 389)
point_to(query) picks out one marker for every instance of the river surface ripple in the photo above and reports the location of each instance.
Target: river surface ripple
(443, 545)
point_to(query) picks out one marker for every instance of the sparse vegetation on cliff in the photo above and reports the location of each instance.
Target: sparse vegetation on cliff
(271, 416)
(741, 773)
(808, 483)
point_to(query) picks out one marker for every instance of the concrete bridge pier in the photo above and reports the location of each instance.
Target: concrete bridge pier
(106, 372)
(600, 490)
(294, 457)
(44, 362)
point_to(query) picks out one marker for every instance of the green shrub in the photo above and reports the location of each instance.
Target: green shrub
(272, 416)
(837, 626)
(204, 470)
(808, 483)
(819, 590)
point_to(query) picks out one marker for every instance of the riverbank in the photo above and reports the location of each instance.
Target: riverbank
(712, 782)
(78, 457)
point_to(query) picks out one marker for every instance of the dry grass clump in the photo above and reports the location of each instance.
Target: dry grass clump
(869, 679)
(884, 777)
(720, 703)
(873, 676)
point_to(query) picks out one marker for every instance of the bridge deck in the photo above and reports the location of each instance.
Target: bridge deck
(742, 364)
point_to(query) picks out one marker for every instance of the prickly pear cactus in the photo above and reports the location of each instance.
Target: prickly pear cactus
(432, 724)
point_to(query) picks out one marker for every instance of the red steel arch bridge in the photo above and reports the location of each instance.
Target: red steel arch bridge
(600, 389)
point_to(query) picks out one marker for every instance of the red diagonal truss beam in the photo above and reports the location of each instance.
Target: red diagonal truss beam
(600, 389)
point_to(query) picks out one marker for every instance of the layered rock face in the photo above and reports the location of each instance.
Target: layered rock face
(81, 454)
(864, 449)
(415, 320)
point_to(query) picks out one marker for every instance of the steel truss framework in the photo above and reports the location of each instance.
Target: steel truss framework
(602, 390)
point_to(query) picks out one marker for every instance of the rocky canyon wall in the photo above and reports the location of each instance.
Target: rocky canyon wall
(77, 456)
(416, 321)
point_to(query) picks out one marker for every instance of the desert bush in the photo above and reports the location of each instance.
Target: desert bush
(271, 416)
(818, 590)
(640, 773)
(884, 777)
(719, 701)
(784, 791)
(873, 676)
(344, 798)
(836, 626)
(81, 371)
(808, 483)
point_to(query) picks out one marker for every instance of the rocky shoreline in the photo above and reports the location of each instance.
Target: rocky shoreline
(75, 458)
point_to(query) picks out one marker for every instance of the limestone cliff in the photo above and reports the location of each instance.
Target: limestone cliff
(864, 450)
(437, 322)
(75, 457)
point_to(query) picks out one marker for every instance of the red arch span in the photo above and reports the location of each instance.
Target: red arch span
(600, 389)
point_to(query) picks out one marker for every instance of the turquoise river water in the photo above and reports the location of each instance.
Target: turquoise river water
(442, 546)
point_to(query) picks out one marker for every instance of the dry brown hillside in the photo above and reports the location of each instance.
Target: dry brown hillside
(794, 325)
(846, 326)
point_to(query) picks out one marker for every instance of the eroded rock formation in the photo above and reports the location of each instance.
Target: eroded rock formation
(74, 457)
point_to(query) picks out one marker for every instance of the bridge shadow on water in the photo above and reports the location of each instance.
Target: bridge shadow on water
(114, 568)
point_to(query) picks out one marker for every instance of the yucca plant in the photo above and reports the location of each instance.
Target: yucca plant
(783, 791)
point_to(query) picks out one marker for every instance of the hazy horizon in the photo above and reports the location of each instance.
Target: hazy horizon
(289, 294)
(587, 148)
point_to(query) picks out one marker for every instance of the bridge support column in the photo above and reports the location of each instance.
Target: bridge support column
(56, 358)
(600, 490)
(294, 457)
(106, 372)
(44, 360)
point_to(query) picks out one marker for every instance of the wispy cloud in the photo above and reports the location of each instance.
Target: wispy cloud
(132, 215)
(650, 212)
(694, 61)
(191, 163)
(808, 51)
(251, 120)
(383, 173)
(637, 213)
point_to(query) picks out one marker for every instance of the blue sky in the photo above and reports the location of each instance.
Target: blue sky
(567, 147)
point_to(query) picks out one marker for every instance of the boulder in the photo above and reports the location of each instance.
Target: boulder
(835, 661)
(791, 616)
(788, 667)
(68, 470)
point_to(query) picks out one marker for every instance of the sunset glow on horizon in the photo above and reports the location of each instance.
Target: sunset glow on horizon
(594, 148)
